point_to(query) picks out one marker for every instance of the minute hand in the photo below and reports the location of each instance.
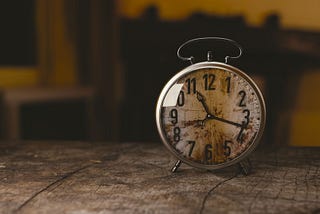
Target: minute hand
(209, 116)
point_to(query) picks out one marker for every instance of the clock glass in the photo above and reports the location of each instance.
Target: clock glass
(211, 116)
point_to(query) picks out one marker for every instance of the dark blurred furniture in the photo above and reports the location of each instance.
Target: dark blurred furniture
(148, 47)
(18, 33)
(83, 177)
(47, 113)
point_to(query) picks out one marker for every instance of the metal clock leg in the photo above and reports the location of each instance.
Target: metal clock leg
(176, 166)
(245, 166)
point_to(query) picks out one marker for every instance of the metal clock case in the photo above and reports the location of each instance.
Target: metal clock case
(211, 115)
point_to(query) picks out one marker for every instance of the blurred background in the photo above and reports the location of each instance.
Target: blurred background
(93, 69)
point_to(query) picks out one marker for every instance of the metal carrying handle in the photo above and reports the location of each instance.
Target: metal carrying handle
(209, 53)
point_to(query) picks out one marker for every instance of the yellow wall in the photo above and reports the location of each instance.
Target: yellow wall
(56, 45)
(305, 117)
(12, 77)
(294, 13)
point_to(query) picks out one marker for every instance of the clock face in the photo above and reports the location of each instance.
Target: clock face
(211, 116)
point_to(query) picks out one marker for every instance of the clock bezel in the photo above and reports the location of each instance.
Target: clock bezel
(193, 68)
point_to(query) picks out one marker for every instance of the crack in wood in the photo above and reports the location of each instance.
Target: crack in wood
(254, 186)
(306, 181)
(58, 182)
(265, 185)
(205, 198)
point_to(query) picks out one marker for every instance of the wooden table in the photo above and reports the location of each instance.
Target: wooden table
(83, 177)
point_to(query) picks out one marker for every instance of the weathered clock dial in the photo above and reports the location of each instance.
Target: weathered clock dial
(211, 115)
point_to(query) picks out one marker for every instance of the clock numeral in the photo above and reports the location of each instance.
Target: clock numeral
(226, 148)
(176, 134)
(228, 80)
(191, 143)
(180, 100)
(208, 81)
(174, 116)
(245, 123)
(208, 153)
(191, 84)
(240, 137)
(247, 117)
(243, 96)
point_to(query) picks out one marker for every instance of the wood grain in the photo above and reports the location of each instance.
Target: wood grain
(80, 177)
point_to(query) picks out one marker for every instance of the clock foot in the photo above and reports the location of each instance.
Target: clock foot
(245, 166)
(176, 166)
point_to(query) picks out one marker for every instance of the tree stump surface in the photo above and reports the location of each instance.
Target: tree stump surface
(83, 177)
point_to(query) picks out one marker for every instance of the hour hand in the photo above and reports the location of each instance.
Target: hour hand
(202, 100)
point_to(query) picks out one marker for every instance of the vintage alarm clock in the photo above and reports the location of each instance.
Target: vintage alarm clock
(211, 115)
